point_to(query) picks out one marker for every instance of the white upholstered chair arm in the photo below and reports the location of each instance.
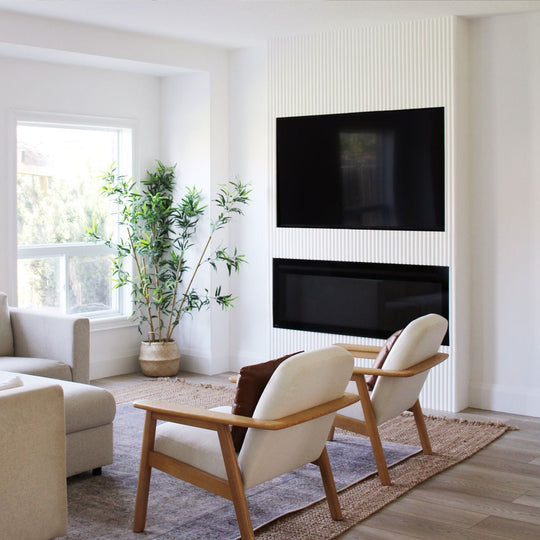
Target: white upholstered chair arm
(56, 337)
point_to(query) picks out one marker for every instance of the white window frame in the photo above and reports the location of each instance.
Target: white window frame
(122, 306)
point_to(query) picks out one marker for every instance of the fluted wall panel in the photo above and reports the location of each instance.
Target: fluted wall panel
(397, 66)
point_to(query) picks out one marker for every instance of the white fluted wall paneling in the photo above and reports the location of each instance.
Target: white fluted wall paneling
(397, 66)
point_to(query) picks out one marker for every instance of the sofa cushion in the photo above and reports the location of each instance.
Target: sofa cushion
(36, 366)
(6, 336)
(251, 383)
(86, 406)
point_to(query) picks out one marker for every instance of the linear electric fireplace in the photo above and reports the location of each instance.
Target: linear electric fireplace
(357, 299)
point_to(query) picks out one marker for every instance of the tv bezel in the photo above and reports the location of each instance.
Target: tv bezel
(440, 182)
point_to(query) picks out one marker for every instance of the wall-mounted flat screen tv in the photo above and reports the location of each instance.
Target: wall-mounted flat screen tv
(368, 170)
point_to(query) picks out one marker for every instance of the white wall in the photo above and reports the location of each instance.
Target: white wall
(249, 320)
(160, 102)
(51, 88)
(505, 213)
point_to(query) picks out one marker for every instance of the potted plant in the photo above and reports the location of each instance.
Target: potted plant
(157, 235)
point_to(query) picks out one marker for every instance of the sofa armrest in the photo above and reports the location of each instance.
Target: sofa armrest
(33, 462)
(56, 337)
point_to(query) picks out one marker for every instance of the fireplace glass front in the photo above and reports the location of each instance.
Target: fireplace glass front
(357, 299)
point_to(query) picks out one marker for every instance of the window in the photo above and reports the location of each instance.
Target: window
(58, 196)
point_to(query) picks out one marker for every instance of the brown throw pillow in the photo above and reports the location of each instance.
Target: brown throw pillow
(381, 357)
(252, 381)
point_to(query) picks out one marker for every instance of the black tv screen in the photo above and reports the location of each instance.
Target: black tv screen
(369, 170)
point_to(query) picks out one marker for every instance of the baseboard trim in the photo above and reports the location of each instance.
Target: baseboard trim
(503, 399)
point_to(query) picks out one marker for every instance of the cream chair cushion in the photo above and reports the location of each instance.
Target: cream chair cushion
(420, 340)
(300, 382)
(392, 395)
(303, 381)
(198, 447)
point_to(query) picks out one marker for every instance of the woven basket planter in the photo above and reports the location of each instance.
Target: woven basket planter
(159, 358)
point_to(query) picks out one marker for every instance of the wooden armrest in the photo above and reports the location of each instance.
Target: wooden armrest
(409, 372)
(184, 414)
(361, 351)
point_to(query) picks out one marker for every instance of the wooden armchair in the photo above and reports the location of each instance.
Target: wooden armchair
(289, 428)
(398, 384)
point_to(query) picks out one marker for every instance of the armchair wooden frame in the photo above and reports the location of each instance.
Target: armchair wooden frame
(368, 427)
(232, 488)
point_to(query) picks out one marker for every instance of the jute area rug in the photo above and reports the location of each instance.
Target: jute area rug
(452, 441)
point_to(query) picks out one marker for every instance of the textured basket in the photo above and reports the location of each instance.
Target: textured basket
(159, 359)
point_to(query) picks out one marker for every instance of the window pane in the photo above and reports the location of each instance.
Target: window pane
(40, 283)
(59, 167)
(89, 284)
(58, 170)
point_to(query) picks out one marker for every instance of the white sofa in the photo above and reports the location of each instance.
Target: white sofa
(41, 347)
(32, 460)
(48, 345)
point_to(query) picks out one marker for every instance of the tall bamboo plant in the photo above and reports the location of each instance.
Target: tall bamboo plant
(157, 236)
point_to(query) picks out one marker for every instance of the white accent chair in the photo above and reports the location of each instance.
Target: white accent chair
(289, 428)
(398, 384)
(32, 460)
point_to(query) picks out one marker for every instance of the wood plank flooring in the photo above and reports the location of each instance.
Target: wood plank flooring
(493, 494)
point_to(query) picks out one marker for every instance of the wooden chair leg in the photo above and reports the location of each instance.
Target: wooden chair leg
(331, 434)
(236, 485)
(145, 471)
(373, 432)
(378, 454)
(421, 427)
(329, 485)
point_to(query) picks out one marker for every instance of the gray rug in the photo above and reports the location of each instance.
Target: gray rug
(102, 507)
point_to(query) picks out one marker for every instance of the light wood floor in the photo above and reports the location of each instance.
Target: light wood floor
(494, 494)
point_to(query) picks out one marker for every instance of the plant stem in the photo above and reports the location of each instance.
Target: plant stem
(188, 288)
(145, 293)
(158, 307)
(176, 284)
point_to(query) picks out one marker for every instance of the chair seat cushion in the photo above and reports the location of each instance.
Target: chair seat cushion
(195, 446)
(36, 366)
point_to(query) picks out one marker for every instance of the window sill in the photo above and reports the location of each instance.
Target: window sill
(110, 323)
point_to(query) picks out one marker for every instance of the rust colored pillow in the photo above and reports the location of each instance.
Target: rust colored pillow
(252, 381)
(381, 357)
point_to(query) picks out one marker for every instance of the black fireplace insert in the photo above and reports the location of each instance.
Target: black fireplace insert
(357, 299)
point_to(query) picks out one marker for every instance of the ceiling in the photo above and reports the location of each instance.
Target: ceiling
(242, 23)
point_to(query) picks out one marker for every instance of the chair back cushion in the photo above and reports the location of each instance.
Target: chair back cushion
(300, 382)
(252, 381)
(6, 336)
(419, 340)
